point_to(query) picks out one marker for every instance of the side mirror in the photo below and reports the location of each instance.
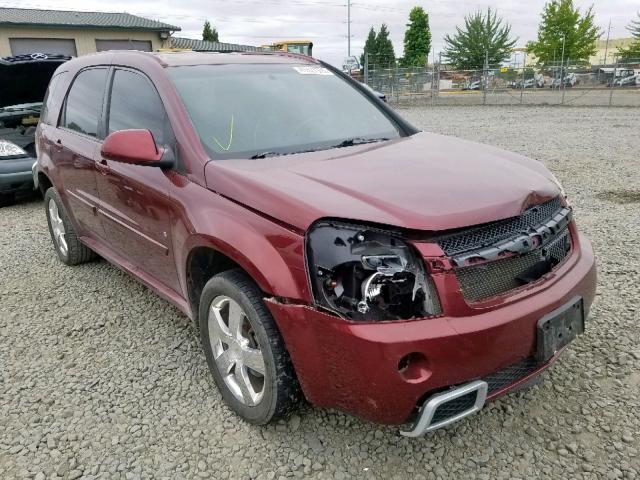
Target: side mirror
(136, 147)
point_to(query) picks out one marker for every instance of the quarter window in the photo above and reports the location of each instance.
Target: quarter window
(84, 102)
(135, 103)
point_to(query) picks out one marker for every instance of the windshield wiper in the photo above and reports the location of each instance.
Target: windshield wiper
(350, 142)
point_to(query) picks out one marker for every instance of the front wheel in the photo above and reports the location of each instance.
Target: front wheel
(245, 351)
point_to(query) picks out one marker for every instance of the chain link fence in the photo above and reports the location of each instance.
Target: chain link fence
(562, 83)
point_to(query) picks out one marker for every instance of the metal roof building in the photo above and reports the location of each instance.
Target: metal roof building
(24, 31)
(202, 46)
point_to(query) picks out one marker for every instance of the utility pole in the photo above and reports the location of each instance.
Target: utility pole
(606, 46)
(349, 28)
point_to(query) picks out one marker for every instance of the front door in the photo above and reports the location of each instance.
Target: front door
(135, 207)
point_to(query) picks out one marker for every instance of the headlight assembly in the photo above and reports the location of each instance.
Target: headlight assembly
(11, 150)
(363, 273)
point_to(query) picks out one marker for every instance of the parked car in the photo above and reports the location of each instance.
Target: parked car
(477, 85)
(630, 81)
(570, 80)
(324, 246)
(379, 95)
(23, 83)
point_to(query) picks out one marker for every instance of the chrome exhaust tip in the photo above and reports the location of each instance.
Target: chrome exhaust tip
(449, 407)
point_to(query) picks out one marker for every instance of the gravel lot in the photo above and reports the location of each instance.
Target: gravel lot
(100, 378)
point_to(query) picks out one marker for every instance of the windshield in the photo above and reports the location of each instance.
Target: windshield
(244, 111)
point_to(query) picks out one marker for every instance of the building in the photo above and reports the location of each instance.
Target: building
(608, 51)
(202, 46)
(24, 31)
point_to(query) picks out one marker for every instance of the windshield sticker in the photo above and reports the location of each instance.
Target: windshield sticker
(312, 70)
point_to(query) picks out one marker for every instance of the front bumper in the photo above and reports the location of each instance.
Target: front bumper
(16, 174)
(361, 368)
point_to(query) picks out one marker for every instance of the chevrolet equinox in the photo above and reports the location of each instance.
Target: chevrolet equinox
(325, 248)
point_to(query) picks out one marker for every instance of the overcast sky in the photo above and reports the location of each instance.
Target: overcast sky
(255, 22)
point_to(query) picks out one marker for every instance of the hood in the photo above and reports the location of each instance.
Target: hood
(25, 78)
(425, 182)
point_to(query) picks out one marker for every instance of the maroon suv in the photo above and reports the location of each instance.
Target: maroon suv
(325, 247)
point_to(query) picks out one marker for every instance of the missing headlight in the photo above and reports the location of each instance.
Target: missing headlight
(363, 273)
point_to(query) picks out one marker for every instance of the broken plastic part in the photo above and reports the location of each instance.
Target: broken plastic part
(367, 274)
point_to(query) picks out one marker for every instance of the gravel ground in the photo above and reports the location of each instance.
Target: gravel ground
(575, 97)
(100, 378)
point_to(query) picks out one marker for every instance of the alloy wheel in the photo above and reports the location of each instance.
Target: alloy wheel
(236, 351)
(57, 227)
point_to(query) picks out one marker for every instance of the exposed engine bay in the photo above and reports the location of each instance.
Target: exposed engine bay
(362, 273)
(18, 123)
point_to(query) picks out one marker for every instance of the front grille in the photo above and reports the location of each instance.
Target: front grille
(490, 233)
(483, 281)
(511, 374)
(454, 407)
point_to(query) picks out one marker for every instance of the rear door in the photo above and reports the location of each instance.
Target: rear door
(74, 145)
(135, 207)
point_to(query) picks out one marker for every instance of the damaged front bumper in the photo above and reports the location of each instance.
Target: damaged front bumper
(386, 371)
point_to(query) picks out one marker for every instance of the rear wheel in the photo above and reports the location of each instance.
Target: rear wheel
(245, 351)
(70, 250)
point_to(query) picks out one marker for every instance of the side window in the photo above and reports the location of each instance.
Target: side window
(51, 100)
(135, 103)
(84, 102)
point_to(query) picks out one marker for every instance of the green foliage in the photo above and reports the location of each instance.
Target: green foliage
(369, 46)
(385, 56)
(560, 19)
(417, 39)
(209, 33)
(633, 51)
(380, 49)
(482, 34)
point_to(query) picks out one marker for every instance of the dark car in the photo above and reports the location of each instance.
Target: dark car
(324, 247)
(23, 83)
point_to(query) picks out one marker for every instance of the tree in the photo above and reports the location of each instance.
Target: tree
(369, 46)
(482, 36)
(209, 33)
(561, 20)
(385, 56)
(632, 52)
(417, 38)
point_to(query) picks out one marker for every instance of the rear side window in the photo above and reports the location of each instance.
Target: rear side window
(135, 103)
(84, 102)
(51, 100)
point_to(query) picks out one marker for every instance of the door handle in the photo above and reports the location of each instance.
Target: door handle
(58, 145)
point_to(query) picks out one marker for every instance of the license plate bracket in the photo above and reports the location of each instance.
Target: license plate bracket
(559, 328)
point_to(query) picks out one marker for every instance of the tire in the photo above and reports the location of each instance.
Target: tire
(70, 250)
(280, 392)
(7, 199)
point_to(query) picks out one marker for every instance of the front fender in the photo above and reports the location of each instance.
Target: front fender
(270, 253)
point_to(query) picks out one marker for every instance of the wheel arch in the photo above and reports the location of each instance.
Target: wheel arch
(44, 182)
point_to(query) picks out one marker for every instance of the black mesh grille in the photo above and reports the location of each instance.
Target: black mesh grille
(454, 407)
(490, 233)
(511, 374)
(494, 278)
